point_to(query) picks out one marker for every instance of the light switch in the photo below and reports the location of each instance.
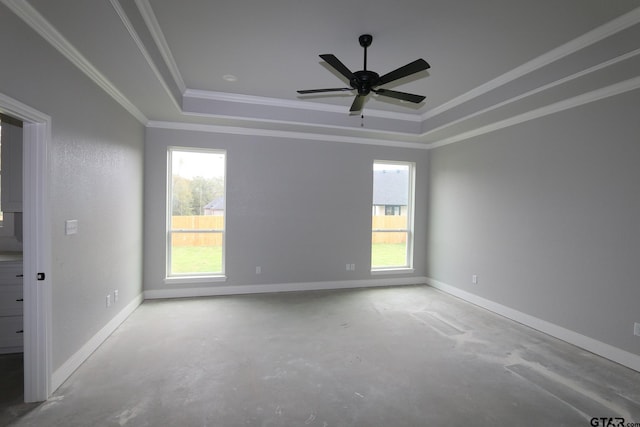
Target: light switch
(71, 226)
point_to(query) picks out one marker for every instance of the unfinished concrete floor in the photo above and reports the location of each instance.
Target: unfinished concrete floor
(12, 388)
(405, 356)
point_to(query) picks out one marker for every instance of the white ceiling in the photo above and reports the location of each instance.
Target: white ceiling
(492, 62)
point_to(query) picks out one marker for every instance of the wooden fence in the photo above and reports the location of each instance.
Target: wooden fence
(389, 222)
(392, 222)
(197, 223)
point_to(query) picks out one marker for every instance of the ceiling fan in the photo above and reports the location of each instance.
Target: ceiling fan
(366, 81)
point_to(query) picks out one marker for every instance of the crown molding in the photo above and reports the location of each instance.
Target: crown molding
(22, 111)
(307, 124)
(614, 26)
(236, 130)
(416, 139)
(146, 10)
(153, 25)
(602, 32)
(539, 89)
(293, 104)
(143, 49)
(576, 101)
(41, 26)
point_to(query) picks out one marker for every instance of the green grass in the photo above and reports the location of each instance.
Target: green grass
(388, 255)
(208, 259)
(196, 259)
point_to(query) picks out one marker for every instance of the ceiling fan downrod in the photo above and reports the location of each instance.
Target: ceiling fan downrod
(365, 41)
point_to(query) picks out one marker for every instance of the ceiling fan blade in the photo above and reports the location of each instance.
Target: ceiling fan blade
(337, 89)
(407, 70)
(339, 66)
(358, 103)
(400, 95)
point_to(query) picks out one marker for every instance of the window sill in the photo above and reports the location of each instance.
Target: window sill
(194, 279)
(402, 270)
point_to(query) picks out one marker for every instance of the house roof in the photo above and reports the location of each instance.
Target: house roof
(390, 187)
(216, 204)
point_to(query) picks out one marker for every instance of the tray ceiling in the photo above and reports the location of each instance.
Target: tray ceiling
(493, 63)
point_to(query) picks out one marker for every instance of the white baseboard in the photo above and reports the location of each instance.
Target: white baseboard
(607, 351)
(279, 287)
(61, 374)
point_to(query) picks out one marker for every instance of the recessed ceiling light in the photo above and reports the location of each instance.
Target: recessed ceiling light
(230, 77)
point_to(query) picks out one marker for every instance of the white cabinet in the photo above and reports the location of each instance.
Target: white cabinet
(11, 325)
(11, 164)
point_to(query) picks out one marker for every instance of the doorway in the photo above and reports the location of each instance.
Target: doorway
(36, 243)
(11, 292)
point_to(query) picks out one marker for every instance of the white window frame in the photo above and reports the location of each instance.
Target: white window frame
(408, 267)
(192, 277)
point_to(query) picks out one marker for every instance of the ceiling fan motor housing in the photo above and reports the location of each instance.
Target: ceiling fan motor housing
(364, 80)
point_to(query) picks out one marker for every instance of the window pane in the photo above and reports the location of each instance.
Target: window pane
(197, 208)
(389, 249)
(391, 215)
(196, 253)
(389, 221)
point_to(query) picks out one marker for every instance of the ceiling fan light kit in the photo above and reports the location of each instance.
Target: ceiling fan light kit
(367, 81)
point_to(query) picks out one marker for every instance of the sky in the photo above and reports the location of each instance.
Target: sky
(389, 166)
(189, 164)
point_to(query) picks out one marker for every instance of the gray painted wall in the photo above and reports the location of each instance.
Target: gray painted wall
(96, 160)
(299, 209)
(547, 214)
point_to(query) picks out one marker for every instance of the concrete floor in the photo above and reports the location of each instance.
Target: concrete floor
(12, 388)
(405, 356)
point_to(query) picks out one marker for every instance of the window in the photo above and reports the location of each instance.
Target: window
(392, 215)
(196, 212)
(392, 210)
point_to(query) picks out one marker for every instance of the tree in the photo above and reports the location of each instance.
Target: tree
(181, 203)
(203, 191)
(190, 196)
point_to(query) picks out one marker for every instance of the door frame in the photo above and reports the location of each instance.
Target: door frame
(36, 216)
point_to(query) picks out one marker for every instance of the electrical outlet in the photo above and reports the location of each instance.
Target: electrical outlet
(71, 227)
(258, 270)
(636, 329)
(108, 303)
(115, 296)
(348, 267)
(353, 267)
(474, 279)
